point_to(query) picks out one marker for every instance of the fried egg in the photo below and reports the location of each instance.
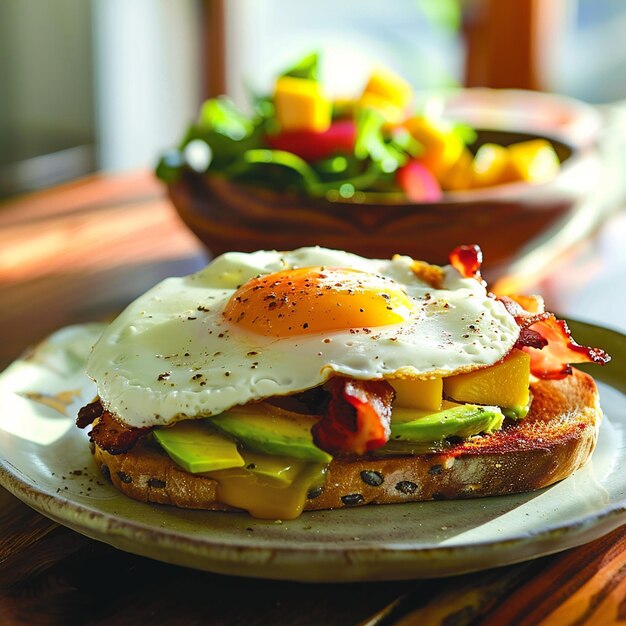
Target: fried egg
(252, 326)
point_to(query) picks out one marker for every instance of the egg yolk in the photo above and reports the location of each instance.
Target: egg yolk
(316, 300)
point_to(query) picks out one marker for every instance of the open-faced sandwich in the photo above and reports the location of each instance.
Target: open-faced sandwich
(277, 382)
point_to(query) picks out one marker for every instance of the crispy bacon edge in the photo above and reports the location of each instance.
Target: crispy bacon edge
(549, 343)
(467, 261)
(357, 419)
(546, 339)
(108, 433)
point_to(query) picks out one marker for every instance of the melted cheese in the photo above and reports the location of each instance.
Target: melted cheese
(268, 487)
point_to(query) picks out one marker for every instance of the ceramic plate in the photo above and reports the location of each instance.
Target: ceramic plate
(46, 463)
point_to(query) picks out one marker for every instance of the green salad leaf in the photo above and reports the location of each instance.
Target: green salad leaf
(237, 145)
(370, 142)
(307, 67)
(222, 116)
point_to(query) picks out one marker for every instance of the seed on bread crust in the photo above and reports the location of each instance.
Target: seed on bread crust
(125, 478)
(352, 499)
(406, 486)
(372, 478)
(314, 493)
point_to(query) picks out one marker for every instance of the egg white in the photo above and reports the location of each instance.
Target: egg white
(171, 354)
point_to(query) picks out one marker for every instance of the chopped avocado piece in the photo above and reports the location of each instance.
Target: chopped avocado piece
(197, 447)
(458, 421)
(418, 394)
(273, 431)
(504, 384)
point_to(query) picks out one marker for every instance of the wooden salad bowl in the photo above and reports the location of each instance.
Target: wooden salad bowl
(507, 221)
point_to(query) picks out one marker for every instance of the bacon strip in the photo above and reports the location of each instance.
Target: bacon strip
(553, 360)
(88, 413)
(549, 342)
(467, 260)
(530, 339)
(114, 437)
(108, 433)
(523, 318)
(357, 419)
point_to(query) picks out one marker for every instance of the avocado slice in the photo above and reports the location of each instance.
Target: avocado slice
(272, 430)
(516, 412)
(198, 447)
(463, 420)
(274, 470)
(207, 445)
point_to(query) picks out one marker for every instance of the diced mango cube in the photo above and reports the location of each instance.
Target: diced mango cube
(460, 175)
(490, 166)
(418, 394)
(301, 105)
(390, 87)
(504, 384)
(392, 113)
(534, 161)
(442, 146)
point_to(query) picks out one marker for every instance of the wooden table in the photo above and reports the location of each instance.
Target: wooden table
(82, 251)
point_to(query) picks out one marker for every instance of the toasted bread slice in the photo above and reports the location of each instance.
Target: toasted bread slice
(554, 440)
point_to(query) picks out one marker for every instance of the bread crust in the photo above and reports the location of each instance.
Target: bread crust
(554, 440)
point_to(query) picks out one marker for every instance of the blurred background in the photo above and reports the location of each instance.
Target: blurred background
(90, 85)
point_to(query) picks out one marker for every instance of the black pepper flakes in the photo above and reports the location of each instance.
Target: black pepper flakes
(435, 470)
(156, 483)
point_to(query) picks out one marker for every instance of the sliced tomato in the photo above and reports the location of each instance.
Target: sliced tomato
(312, 146)
(417, 182)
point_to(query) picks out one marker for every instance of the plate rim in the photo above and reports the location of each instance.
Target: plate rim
(75, 515)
